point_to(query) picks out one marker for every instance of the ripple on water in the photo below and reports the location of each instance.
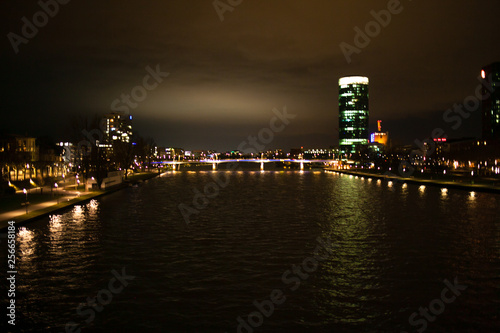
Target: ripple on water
(393, 247)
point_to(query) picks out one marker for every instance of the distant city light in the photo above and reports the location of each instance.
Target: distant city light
(353, 80)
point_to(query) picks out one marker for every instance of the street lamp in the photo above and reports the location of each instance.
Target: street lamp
(56, 186)
(26, 202)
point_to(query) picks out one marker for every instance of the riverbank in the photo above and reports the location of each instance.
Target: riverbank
(422, 181)
(53, 206)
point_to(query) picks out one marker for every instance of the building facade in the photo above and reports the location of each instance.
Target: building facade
(379, 136)
(19, 145)
(118, 127)
(23, 158)
(353, 113)
(491, 101)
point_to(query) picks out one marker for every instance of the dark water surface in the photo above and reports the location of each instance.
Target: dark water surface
(392, 248)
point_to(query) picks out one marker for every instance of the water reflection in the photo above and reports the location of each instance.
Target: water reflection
(78, 215)
(404, 190)
(25, 243)
(348, 282)
(390, 245)
(93, 207)
(55, 225)
(421, 189)
(25, 235)
(472, 200)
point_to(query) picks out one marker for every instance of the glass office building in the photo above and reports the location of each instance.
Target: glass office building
(353, 114)
(491, 101)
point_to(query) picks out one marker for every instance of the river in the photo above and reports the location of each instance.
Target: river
(273, 251)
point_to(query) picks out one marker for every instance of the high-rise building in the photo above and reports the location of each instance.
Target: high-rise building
(353, 113)
(118, 127)
(491, 101)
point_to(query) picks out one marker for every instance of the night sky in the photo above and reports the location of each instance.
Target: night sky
(227, 76)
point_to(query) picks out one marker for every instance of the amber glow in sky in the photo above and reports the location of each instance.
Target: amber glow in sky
(225, 77)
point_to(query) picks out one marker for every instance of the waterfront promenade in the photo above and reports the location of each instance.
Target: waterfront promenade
(451, 183)
(62, 202)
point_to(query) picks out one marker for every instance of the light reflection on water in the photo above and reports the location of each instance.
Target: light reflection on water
(25, 243)
(395, 246)
(78, 215)
(56, 228)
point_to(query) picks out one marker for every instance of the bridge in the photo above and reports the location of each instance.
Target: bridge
(215, 163)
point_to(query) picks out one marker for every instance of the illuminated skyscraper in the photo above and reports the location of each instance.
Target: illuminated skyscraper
(491, 101)
(353, 113)
(118, 127)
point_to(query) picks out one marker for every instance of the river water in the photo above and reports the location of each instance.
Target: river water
(335, 253)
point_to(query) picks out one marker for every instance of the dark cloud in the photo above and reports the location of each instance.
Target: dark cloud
(226, 77)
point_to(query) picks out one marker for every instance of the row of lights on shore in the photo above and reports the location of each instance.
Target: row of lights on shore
(390, 183)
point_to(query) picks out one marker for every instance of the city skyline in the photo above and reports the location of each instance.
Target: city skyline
(211, 83)
(362, 134)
